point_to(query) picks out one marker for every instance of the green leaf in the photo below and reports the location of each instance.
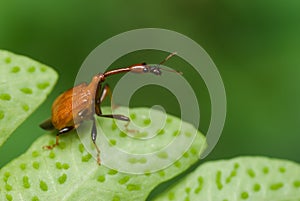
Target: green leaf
(243, 178)
(24, 85)
(69, 172)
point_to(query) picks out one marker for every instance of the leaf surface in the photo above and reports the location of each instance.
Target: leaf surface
(24, 85)
(239, 179)
(69, 172)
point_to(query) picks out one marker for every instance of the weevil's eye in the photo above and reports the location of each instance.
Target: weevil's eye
(155, 70)
(145, 70)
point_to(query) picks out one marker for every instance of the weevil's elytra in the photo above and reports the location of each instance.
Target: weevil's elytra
(81, 102)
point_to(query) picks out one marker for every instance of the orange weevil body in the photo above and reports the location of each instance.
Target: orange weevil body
(81, 102)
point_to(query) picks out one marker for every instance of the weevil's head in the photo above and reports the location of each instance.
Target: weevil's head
(154, 69)
(144, 68)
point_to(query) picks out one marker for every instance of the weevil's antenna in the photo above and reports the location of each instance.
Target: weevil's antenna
(166, 59)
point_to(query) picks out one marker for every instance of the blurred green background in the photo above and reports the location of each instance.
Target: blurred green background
(255, 45)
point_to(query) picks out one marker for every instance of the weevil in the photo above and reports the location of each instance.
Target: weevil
(83, 101)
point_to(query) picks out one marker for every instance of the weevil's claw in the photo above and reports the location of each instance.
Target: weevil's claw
(49, 147)
(130, 130)
(98, 160)
(98, 153)
(133, 131)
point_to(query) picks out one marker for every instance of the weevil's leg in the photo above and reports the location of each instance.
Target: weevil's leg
(106, 91)
(94, 137)
(120, 117)
(100, 95)
(60, 132)
(115, 116)
(130, 130)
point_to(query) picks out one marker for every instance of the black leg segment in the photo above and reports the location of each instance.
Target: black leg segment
(115, 116)
(94, 137)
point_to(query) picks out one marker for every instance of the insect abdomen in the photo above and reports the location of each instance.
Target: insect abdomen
(66, 107)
